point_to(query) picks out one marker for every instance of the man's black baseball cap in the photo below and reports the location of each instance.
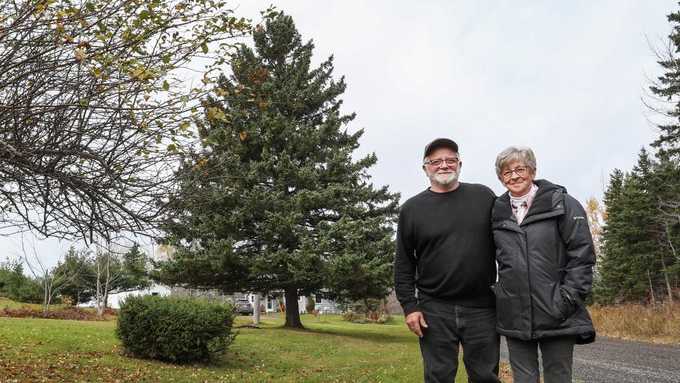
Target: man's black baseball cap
(440, 143)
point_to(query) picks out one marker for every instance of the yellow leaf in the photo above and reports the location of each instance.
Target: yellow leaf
(215, 113)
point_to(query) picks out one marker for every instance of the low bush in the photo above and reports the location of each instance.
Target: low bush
(373, 317)
(367, 311)
(177, 330)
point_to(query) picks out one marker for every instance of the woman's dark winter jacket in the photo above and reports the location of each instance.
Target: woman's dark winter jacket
(544, 267)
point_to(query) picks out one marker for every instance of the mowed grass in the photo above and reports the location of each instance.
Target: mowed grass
(329, 350)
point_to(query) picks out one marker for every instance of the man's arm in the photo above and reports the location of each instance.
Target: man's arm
(405, 266)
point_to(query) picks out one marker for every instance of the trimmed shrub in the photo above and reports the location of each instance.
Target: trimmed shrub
(172, 329)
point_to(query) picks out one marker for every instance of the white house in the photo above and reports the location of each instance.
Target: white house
(271, 304)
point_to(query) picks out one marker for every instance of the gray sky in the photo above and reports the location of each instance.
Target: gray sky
(564, 78)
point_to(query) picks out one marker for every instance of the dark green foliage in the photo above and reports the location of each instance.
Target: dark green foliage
(637, 259)
(79, 287)
(132, 271)
(17, 286)
(177, 330)
(668, 88)
(275, 199)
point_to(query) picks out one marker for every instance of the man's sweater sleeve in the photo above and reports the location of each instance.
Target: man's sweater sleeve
(405, 265)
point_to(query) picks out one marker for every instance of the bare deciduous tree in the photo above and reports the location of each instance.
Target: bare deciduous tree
(94, 110)
(51, 279)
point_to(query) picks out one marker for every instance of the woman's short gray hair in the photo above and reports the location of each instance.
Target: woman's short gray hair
(522, 154)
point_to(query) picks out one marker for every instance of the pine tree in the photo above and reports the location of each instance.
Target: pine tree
(668, 87)
(275, 200)
(639, 261)
(667, 173)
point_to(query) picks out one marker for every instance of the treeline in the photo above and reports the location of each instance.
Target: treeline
(80, 277)
(640, 244)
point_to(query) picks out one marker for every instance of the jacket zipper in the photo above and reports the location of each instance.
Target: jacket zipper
(531, 292)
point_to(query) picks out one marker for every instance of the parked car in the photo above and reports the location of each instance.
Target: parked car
(243, 307)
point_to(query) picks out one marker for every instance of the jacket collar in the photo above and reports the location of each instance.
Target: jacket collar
(545, 202)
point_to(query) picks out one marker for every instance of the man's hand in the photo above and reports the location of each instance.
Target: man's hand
(416, 323)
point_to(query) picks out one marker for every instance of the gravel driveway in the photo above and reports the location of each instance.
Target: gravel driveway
(617, 361)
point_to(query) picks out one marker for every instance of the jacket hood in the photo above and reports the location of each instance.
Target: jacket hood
(544, 201)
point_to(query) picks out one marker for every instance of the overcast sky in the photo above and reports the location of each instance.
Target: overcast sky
(564, 78)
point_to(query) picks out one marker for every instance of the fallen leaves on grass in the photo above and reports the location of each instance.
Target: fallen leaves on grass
(68, 367)
(68, 313)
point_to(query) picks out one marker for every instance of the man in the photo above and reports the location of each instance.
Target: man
(445, 250)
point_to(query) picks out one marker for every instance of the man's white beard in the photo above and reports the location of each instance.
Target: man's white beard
(444, 179)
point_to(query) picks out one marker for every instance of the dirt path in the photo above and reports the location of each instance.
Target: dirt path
(617, 361)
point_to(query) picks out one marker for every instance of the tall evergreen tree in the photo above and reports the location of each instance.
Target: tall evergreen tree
(668, 87)
(637, 263)
(667, 173)
(627, 247)
(275, 201)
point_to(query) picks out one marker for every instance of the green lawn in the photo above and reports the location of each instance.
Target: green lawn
(330, 350)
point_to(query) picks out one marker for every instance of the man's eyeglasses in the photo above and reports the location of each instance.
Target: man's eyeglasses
(439, 162)
(520, 171)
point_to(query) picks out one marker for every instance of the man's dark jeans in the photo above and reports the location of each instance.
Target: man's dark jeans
(450, 325)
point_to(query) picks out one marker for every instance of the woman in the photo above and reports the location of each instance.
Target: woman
(545, 258)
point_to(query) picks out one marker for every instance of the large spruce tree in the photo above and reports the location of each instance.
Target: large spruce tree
(275, 200)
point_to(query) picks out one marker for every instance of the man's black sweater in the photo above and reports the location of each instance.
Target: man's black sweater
(445, 248)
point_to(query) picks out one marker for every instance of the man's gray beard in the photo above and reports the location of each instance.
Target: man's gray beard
(444, 179)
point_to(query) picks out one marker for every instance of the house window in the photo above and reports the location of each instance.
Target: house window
(317, 298)
(154, 294)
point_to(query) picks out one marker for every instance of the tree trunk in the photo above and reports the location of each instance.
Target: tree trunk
(668, 283)
(256, 310)
(99, 298)
(651, 288)
(46, 303)
(292, 309)
(108, 280)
